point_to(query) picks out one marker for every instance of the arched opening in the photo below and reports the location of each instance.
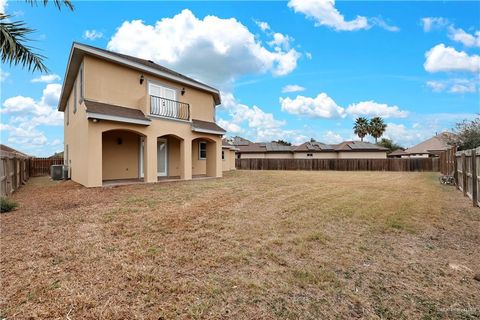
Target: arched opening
(169, 157)
(122, 155)
(204, 157)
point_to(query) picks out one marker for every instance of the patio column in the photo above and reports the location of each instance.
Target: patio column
(150, 159)
(94, 159)
(214, 159)
(186, 159)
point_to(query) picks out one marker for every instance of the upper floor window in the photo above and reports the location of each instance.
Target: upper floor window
(202, 150)
(309, 154)
(75, 97)
(81, 84)
(223, 155)
(67, 115)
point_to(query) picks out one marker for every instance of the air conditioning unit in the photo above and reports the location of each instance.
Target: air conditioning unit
(59, 172)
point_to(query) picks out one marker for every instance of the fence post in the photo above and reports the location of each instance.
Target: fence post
(474, 177)
(464, 174)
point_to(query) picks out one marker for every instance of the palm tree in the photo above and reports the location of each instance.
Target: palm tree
(377, 127)
(13, 36)
(361, 127)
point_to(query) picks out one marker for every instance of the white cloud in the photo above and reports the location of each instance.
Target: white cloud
(331, 137)
(309, 55)
(292, 88)
(436, 86)
(42, 112)
(467, 39)
(264, 26)
(431, 23)
(325, 14)
(46, 78)
(212, 49)
(456, 34)
(281, 41)
(231, 127)
(256, 124)
(3, 75)
(3, 6)
(92, 35)
(454, 85)
(384, 25)
(322, 106)
(441, 58)
(372, 109)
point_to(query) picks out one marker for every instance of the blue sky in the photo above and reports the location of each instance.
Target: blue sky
(287, 70)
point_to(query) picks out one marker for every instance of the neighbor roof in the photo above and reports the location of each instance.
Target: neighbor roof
(79, 50)
(313, 147)
(398, 152)
(436, 143)
(358, 146)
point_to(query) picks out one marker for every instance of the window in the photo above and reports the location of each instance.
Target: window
(67, 115)
(202, 150)
(66, 155)
(81, 84)
(309, 154)
(75, 97)
(223, 155)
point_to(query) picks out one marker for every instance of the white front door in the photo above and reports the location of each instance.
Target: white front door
(162, 157)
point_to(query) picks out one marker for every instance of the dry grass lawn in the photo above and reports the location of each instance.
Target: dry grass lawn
(253, 245)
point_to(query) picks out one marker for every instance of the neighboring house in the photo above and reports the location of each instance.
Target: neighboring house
(129, 118)
(396, 154)
(360, 150)
(228, 155)
(308, 150)
(429, 148)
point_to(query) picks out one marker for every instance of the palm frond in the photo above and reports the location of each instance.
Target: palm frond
(57, 3)
(13, 35)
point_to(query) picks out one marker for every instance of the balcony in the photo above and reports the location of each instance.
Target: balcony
(167, 108)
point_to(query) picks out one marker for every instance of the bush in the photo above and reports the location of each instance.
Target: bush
(7, 205)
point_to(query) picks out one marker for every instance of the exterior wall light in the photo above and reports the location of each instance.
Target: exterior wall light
(183, 91)
(95, 120)
(142, 78)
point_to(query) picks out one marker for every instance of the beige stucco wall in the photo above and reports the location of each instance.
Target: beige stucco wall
(228, 163)
(120, 161)
(315, 155)
(362, 155)
(115, 84)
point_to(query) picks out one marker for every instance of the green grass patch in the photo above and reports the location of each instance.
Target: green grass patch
(7, 205)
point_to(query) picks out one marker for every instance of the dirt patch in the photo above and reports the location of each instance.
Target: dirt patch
(253, 245)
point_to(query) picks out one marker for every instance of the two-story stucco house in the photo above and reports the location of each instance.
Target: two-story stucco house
(129, 118)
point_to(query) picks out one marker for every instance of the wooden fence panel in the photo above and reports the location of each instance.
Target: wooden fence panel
(411, 164)
(41, 166)
(13, 172)
(467, 177)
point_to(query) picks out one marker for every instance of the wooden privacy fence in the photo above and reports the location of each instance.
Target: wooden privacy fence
(14, 171)
(411, 164)
(447, 161)
(467, 173)
(41, 166)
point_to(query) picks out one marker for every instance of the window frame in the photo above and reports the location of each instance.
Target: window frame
(200, 143)
(81, 83)
(67, 113)
(75, 97)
